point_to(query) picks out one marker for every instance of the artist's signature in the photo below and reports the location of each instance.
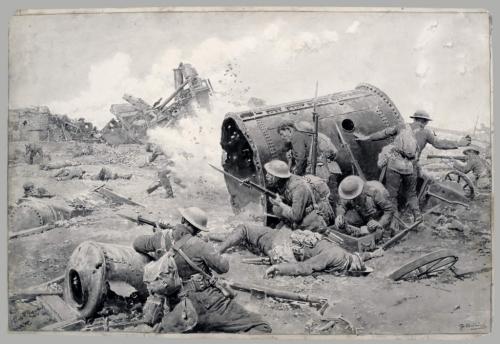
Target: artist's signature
(472, 326)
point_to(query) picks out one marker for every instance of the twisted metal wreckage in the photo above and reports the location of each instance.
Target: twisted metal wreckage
(249, 140)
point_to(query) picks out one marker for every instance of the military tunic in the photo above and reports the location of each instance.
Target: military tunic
(372, 204)
(215, 311)
(299, 206)
(325, 256)
(300, 147)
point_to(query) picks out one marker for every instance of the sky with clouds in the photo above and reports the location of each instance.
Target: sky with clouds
(81, 64)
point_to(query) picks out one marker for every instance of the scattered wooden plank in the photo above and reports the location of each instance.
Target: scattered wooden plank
(65, 325)
(31, 231)
(115, 197)
(32, 293)
(57, 308)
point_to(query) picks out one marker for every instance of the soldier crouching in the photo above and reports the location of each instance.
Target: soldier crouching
(199, 302)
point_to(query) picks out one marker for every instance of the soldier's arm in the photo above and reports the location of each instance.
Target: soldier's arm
(383, 202)
(384, 133)
(440, 143)
(237, 237)
(148, 243)
(464, 168)
(342, 207)
(300, 153)
(295, 212)
(304, 268)
(213, 259)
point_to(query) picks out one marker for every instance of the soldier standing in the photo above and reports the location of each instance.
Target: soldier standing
(394, 177)
(298, 144)
(326, 167)
(32, 150)
(364, 205)
(213, 309)
(296, 203)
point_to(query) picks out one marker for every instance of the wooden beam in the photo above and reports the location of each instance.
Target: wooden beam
(57, 308)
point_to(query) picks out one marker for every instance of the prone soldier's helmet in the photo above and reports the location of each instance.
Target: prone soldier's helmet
(422, 115)
(28, 186)
(196, 217)
(278, 169)
(472, 149)
(351, 187)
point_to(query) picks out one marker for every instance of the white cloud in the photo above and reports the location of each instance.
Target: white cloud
(353, 28)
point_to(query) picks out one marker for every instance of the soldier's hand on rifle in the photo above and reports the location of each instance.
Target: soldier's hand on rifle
(340, 221)
(271, 272)
(361, 137)
(373, 225)
(465, 141)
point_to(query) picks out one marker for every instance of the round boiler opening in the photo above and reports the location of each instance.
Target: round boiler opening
(75, 288)
(348, 125)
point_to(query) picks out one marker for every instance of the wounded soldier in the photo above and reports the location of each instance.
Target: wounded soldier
(69, 173)
(106, 174)
(316, 254)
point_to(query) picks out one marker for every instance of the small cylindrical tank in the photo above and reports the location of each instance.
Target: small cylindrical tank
(250, 138)
(35, 213)
(91, 269)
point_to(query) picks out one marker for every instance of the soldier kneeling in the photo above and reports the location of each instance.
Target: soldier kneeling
(364, 207)
(183, 287)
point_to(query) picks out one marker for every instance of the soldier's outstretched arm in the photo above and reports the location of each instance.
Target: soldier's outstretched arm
(214, 259)
(440, 143)
(147, 243)
(237, 237)
(383, 134)
(304, 268)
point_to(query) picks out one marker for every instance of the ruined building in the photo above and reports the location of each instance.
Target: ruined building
(135, 117)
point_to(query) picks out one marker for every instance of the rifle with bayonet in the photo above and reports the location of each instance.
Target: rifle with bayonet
(248, 183)
(257, 261)
(351, 154)
(314, 151)
(449, 157)
(140, 220)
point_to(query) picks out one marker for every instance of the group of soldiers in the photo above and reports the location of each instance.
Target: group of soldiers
(185, 294)
(307, 206)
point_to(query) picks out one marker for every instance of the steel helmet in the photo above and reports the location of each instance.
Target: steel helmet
(422, 115)
(28, 186)
(472, 148)
(351, 187)
(195, 216)
(278, 169)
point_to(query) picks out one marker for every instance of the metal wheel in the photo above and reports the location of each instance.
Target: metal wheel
(464, 181)
(426, 266)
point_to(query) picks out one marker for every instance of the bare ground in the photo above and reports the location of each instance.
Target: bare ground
(374, 304)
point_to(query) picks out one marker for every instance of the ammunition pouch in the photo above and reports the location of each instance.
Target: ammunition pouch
(153, 309)
(196, 283)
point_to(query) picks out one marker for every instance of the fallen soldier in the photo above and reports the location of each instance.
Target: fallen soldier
(316, 254)
(57, 165)
(31, 191)
(261, 240)
(69, 173)
(106, 174)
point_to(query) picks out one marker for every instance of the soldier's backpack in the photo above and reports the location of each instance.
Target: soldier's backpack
(406, 143)
(318, 187)
(161, 276)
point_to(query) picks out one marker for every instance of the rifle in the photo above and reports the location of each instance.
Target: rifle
(314, 151)
(351, 154)
(105, 325)
(248, 183)
(450, 157)
(144, 221)
(319, 302)
(257, 261)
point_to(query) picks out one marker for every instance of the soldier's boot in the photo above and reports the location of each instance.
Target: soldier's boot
(415, 209)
